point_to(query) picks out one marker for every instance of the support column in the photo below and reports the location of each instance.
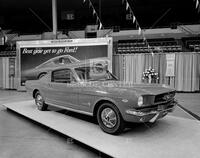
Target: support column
(54, 17)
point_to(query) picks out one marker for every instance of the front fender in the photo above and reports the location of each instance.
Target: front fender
(122, 106)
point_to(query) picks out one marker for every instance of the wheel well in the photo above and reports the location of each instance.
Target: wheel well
(34, 92)
(98, 104)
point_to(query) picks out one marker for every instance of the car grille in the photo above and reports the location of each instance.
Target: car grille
(164, 97)
(166, 105)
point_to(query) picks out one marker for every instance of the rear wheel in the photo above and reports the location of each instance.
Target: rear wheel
(39, 101)
(110, 119)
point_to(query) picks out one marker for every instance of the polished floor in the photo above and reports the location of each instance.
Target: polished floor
(20, 138)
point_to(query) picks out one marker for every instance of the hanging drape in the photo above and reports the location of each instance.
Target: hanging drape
(130, 68)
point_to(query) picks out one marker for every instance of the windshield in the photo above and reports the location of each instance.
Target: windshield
(94, 74)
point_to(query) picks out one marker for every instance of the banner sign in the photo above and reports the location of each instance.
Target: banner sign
(36, 57)
(170, 65)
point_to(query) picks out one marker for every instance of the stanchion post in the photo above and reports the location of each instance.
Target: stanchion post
(54, 17)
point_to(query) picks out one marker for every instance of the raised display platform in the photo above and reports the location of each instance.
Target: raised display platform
(171, 137)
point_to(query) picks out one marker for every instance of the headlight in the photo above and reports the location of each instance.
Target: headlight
(140, 101)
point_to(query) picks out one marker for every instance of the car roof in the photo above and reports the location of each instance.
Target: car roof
(82, 63)
(57, 57)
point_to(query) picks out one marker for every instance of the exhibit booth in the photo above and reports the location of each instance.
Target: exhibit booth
(35, 55)
(178, 70)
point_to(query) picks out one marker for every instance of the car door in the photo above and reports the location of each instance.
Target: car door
(63, 89)
(86, 96)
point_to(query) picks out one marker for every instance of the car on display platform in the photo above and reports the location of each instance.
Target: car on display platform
(92, 90)
(40, 70)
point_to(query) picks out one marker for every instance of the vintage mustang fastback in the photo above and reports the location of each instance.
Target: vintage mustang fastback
(92, 90)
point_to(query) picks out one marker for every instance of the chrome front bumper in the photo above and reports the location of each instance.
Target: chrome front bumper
(152, 115)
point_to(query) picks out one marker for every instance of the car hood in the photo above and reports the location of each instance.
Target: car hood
(139, 89)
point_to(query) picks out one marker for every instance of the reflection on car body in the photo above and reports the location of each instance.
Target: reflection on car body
(95, 91)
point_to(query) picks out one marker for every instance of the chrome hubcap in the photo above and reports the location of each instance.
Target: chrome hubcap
(39, 101)
(108, 118)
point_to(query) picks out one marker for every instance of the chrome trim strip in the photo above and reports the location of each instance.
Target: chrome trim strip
(71, 109)
(139, 113)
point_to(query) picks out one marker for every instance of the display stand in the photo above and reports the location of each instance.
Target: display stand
(169, 137)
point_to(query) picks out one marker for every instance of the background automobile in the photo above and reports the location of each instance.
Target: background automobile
(40, 70)
(43, 68)
(94, 91)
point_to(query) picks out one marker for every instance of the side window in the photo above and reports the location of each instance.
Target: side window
(62, 60)
(63, 76)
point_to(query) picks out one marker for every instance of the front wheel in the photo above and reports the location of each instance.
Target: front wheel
(110, 119)
(39, 101)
